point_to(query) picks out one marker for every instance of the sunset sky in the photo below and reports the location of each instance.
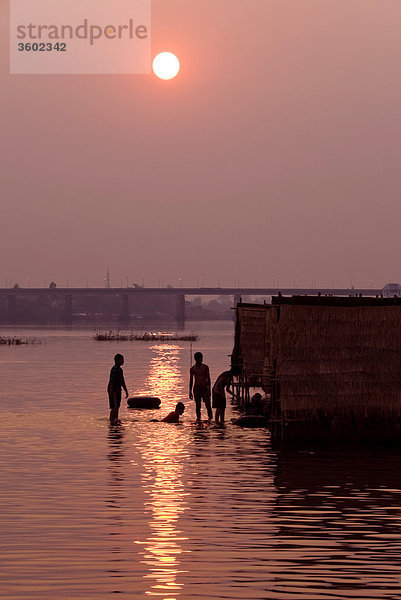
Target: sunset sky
(275, 152)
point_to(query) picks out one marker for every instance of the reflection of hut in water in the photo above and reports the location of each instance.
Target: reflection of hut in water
(333, 364)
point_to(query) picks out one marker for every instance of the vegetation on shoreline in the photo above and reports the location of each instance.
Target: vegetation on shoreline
(147, 336)
(18, 341)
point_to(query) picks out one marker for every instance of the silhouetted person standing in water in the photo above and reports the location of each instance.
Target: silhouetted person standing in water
(116, 382)
(199, 378)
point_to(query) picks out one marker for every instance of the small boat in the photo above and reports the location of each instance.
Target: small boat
(150, 402)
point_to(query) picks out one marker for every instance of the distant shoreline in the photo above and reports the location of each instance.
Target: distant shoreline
(147, 336)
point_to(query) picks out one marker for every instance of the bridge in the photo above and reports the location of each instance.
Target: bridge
(11, 296)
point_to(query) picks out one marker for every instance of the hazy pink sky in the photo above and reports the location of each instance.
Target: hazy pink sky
(275, 153)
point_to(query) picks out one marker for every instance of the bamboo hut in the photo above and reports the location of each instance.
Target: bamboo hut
(333, 364)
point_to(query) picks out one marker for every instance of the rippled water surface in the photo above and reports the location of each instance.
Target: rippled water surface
(148, 509)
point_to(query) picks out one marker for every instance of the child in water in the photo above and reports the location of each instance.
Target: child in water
(174, 416)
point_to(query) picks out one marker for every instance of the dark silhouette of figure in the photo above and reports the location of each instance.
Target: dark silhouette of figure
(200, 380)
(174, 416)
(116, 382)
(222, 384)
(254, 406)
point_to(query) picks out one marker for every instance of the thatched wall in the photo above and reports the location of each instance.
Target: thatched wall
(331, 361)
(250, 349)
(337, 361)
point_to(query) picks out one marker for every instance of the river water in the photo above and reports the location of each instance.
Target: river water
(176, 512)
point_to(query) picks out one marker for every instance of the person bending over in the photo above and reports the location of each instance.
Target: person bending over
(222, 384)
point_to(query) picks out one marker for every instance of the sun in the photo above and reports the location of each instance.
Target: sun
(166, 65)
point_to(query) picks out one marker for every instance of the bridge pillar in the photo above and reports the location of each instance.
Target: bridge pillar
(42, 306)
(237, 300)
(181, 310)
(124, 314)
(11, 306)
(68, 309)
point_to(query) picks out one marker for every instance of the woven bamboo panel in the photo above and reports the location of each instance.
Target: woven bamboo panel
(338, 361)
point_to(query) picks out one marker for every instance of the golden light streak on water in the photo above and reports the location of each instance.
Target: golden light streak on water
(164, 378)
(163, 462)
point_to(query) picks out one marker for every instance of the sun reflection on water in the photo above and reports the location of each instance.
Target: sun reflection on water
(164, 452)
(164, 378)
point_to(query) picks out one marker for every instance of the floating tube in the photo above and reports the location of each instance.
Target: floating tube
(144, 402)
(252, 421)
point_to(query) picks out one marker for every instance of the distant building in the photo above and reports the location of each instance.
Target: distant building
(392, 289)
